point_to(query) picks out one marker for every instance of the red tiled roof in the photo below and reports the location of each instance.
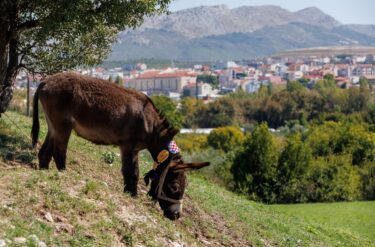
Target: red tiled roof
(161, 74)
(263, 78)
(341, 79)
(312, 77)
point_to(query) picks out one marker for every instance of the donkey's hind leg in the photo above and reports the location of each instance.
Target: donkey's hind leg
(60, 146)
(45, 153)
(130, 170)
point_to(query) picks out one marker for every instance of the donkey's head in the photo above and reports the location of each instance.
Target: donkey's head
(168, 180)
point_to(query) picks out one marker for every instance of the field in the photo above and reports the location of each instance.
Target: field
(358, 217)
(85, 206)
(328, 51)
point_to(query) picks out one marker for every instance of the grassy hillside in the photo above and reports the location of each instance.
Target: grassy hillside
(85, 205)
(358, 217)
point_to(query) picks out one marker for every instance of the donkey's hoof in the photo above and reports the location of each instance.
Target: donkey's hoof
(131, 192)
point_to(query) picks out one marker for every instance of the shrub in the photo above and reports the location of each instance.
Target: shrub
(368, 181)
(216, 114)
(255, 167)
(292, 165)
(343, 138)
(332, 179)
(169, 108)
(191, 142)
(188, 108)
(226, 138)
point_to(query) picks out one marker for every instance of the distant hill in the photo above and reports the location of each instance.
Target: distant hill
(333, 50)
(219, 33)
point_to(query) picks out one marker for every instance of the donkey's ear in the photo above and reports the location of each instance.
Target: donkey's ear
(189, 166)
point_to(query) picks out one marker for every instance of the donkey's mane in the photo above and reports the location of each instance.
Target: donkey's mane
(165, 127)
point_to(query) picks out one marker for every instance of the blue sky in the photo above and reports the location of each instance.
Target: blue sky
(345, 11)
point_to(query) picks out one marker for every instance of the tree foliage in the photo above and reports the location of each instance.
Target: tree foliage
(213, 80)
(189, 109)
(47, 36)
(216, 114)
(254, 168)
(226, 138)
(169, 109)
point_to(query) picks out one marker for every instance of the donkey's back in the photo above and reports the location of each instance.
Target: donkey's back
(97, 110)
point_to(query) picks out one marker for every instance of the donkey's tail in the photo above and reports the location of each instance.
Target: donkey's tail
(36, 126)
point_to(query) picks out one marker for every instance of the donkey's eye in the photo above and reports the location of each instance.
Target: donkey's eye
(174, 187)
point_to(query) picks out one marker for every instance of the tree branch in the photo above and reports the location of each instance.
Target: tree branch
(28, 24)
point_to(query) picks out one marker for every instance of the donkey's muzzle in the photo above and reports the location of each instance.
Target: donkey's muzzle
(172, 215)
(173, 212)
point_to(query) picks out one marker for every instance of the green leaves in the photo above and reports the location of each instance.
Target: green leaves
(169, 109)
(61, 35)
(226, 138)
(254, 168)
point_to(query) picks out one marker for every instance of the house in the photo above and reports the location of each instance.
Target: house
(204, 89)
(366, 70)
(252, 87)
(159, 81)
(224, 65)
(141, 66)
(342, 70)
(293, 75)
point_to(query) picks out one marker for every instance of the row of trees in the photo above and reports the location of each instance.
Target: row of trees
(324, 102)
(330, 162)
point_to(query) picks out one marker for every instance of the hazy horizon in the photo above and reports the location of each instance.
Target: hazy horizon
(346, 12)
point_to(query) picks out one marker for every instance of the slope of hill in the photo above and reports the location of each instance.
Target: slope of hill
(364, 29)
(85, 206)
(217, 32)
(267, 41)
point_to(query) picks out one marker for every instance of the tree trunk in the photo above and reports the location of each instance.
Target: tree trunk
(8, 60)
(3, 61)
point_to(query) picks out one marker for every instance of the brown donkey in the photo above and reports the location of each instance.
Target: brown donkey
(105, 113)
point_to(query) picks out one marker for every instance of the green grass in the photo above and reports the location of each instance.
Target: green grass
(90, 209)
(356, 217)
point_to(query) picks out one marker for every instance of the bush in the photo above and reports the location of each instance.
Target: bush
(191, 142)
(226, 138)
(343, 138)
(169, 108)
(189, 108)
(332, 179)
(292, 165)
(368, 181)
(255, 167)
(217, 114)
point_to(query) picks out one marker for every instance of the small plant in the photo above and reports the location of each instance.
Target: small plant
(109, 157)
(128, 239)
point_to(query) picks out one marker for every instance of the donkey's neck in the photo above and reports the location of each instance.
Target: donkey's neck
(162, 134)
(157, 146)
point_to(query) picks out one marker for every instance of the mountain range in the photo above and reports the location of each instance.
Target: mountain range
(210, 33)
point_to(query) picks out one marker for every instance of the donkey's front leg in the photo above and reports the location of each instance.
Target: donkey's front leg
(130, 170)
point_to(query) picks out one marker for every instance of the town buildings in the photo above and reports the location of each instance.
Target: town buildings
(249, 76)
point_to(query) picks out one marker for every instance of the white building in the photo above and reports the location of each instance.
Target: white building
(169, 80)
(204, 89)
